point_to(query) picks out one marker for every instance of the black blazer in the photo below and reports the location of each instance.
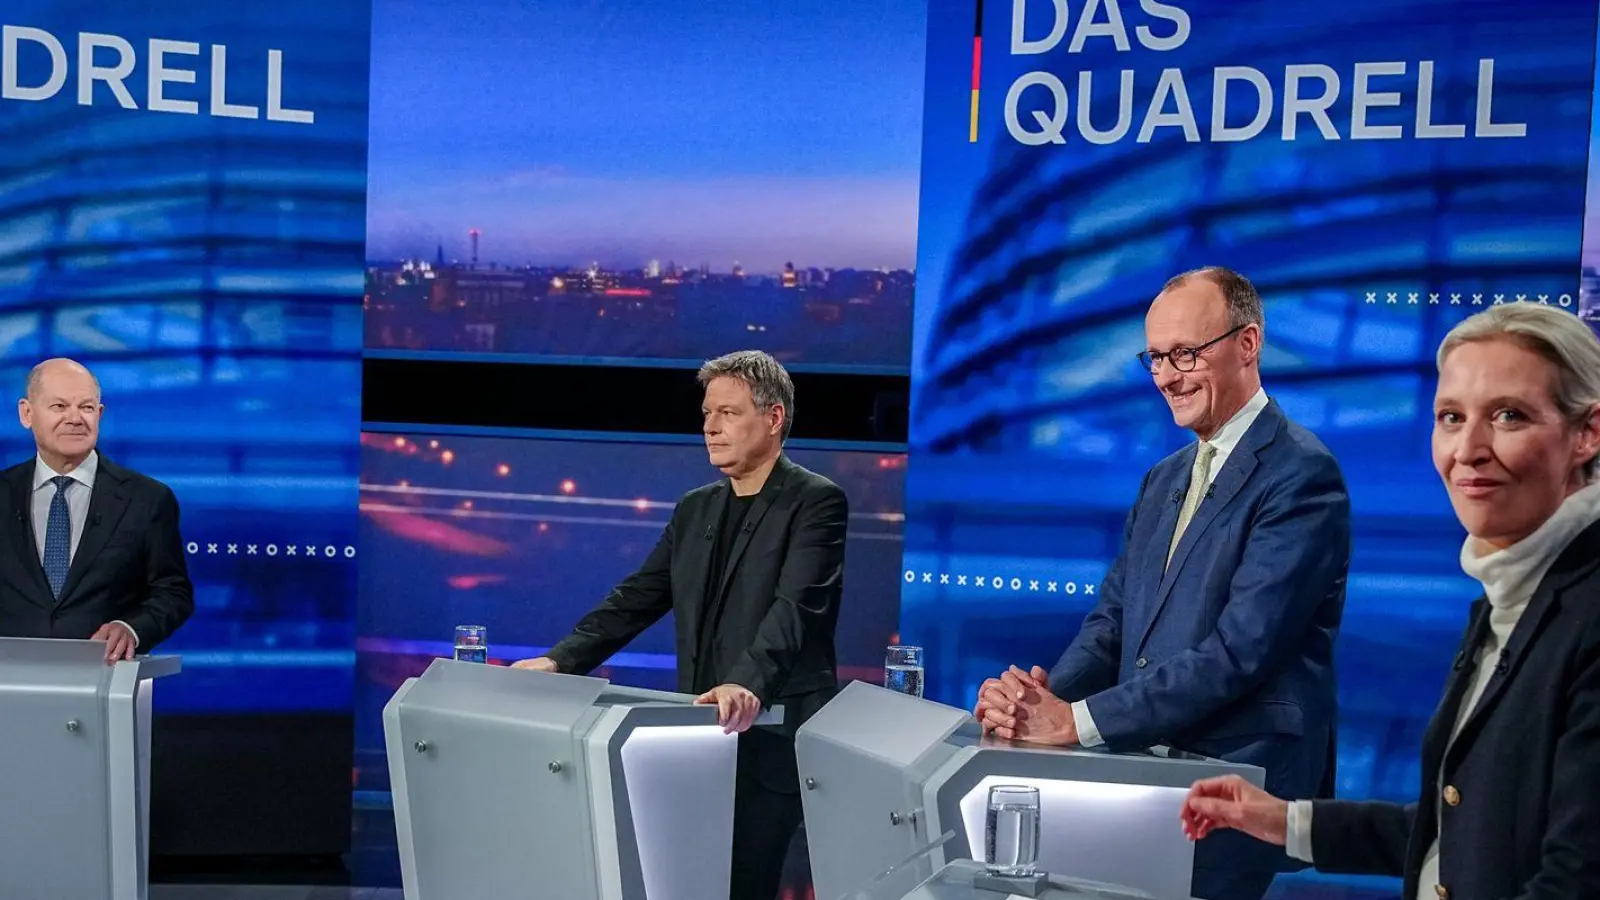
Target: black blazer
(1525, 822)
(129, 564)
(780, 599)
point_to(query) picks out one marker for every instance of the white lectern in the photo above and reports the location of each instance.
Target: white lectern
(74, 770)
(884, 772)
(515, 783)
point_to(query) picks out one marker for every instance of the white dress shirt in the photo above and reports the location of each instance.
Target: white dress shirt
(1509, 578)
(78, 491)
(1224, 441)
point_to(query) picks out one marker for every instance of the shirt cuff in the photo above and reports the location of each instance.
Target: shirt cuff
(1297, 834)
(130, 631)
(1088, 734)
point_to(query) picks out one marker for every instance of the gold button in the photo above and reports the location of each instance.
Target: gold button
(1440, 890)
(1451, 795)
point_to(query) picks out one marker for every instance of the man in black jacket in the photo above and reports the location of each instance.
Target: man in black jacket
(753, 567)
(92, 550)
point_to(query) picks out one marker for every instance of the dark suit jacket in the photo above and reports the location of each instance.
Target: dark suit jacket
(129, 564)
(1228, 651)
(1524, 767)
(780, 601)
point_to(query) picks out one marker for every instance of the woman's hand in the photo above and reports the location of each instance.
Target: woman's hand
(1232, 802)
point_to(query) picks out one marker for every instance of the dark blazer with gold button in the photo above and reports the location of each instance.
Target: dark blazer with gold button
(1520, 786)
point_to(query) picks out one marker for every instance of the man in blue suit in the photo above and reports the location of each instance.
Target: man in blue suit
(1215, 627)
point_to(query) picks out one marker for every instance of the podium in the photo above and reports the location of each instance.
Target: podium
(883, 773)
(511, 782)
(74, 770)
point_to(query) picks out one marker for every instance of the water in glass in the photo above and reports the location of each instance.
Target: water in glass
(472, 644)
(1011, 844)
(902, 669)
(903, 679)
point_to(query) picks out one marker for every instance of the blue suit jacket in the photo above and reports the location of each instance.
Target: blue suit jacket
(1227, 651)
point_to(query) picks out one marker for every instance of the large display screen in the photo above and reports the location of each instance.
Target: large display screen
(182, 205)
(645, 181)
(525, 535)
(1379, 174)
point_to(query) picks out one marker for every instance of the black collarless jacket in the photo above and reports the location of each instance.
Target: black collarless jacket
(1520, 786)
(778, 598)
(129, 564)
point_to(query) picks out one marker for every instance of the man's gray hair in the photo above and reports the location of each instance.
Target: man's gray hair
(767, 379)
(1244, 304)
(1563, 339)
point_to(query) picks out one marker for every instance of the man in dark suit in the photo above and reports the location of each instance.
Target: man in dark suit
(752, 566)
(92, 549)
(1215, 626)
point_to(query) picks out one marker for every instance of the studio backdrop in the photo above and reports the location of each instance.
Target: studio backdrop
(182, 196)
(1380, 172)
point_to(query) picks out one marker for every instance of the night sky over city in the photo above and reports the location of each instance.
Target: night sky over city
(585, 131)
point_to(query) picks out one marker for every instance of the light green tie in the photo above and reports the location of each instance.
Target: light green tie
(1199, 478)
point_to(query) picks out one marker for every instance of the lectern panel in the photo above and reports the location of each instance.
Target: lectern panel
(1106, 817)
(512, 783)
(49, 741)
(898, 727)
(74, 783)
(467, 840)
(860, 757)
(473, 736)
(885, 772)
(672, 772)
(1085, 827)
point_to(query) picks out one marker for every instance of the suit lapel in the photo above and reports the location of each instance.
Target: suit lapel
(1437, 736)
(1235, 472)
(107, 503)
(1171, 500)
(697, 554)
(1230, 479)
(1575, 563)
(23, 542)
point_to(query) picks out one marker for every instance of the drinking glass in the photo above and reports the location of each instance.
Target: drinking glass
(902, 669)
(1011, 835)
(472, 643)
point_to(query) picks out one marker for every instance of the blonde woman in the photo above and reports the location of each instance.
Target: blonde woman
(1509, 806)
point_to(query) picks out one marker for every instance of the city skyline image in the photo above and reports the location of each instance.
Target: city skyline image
(629, 179)
(743, 134)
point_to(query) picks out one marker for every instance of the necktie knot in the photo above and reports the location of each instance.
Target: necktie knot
(61, 482)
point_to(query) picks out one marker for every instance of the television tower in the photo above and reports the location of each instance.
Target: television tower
(473, 233)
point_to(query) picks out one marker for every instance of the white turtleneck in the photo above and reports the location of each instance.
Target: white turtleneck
(1509, 577)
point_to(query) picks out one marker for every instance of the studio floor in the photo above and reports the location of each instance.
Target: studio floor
(371, 871)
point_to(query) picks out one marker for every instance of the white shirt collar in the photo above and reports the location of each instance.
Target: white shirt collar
(1233, 431)
(84, 474)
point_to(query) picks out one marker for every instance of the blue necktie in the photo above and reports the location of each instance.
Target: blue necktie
(58, 538)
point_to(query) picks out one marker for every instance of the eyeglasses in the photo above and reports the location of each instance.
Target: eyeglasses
(1184, 358)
